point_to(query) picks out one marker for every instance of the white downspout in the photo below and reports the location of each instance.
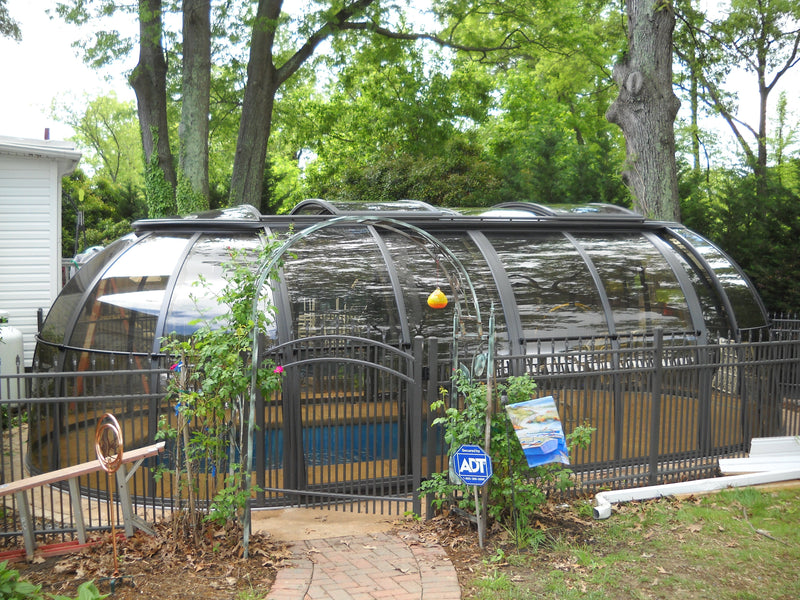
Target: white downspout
(604, 500)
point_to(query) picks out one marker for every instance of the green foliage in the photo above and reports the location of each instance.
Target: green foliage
(8, 27)
(158, 192)
(457, 174)
(187, 199)
(107, 133)
(227, 503)
(14, 588)
(516, 492)
(211, 385)
(86, 591)
(760, 232)
(108, 210)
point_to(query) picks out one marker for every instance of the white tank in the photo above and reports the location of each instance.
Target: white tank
(12, 360)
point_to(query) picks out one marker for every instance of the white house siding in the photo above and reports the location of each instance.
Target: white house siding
(30, 231)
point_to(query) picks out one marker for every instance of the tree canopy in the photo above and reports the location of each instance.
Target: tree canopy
(458, 102)
(8, 27)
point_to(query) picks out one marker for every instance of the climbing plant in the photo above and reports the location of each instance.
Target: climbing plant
(209, 387)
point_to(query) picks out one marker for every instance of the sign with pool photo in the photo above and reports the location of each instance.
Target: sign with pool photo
(538, 428)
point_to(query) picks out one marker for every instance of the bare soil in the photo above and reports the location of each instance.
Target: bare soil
(167, 566)
(173, 566)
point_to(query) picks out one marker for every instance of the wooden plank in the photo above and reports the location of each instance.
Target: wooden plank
(76, 470)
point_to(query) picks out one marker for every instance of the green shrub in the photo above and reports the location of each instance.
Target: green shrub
(516, 492)
(14, 588)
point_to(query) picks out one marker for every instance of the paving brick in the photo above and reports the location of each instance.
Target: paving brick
(367, 567)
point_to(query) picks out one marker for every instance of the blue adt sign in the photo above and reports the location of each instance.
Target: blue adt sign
(472, 465)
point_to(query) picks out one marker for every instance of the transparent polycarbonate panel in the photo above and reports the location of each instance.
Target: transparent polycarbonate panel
(397, 206)
(741, 295)
(63, 310)
(242, 212)
(593, 208)
(122, 311)
(338, 285)
(714, 314)
(642, 289)
(484, 286)
(555, 294)
(421, 268)
(202, 278)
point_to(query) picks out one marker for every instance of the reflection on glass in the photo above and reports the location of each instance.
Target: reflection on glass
(64, 307)
(338, 284)
(422, 268)
(714, 315)
(480, 275)
(745, 306)
(192, 300)
(555, 294)
(123, 309)
(396, 206)
(642, 289)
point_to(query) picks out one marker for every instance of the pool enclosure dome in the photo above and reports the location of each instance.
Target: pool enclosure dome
(546, 273)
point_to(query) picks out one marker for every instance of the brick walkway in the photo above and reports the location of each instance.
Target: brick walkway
(366, 567)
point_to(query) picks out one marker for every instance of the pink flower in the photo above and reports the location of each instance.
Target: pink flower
(278, 369)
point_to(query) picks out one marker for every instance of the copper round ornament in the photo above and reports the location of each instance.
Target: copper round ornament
(108, 444)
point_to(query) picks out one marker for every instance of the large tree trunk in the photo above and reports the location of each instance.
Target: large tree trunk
(646, 107)
(192, 193)
(149, 82)
(247, 179)
(263, 82)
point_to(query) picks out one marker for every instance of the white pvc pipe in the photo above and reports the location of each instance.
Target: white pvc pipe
(604, 500)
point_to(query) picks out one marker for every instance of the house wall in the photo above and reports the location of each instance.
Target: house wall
(30, 230)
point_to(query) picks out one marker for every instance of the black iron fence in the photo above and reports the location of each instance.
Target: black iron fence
(666, 408)
(352, 422)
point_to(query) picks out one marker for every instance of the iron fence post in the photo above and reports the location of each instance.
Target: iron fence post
(655, 405)
(415, 418)
(431, 394)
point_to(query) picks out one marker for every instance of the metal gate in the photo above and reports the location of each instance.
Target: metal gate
(346, 428)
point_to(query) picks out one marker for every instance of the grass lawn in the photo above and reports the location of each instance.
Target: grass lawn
(739, 544)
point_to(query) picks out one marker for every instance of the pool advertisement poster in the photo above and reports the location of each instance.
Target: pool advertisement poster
(538, 428)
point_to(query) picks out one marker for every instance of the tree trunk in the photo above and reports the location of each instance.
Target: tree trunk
(646, 107)
(192, 193)
(249, 162)
(694, 99)
(760, 168)
(263, 82)
(149, 82)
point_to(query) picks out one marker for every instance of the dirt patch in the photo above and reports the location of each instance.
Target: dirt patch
(165, 566)
(172, 567)
(559, 524)
(297, 524)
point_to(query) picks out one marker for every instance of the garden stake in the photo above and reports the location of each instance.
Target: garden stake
(108, 446)
(514, 511)
(483, 509)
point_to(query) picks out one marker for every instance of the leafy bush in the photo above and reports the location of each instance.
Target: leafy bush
(14, 588)
(516, 492)
(210, 386)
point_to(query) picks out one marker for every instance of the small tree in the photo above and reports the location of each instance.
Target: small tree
(210, 387)
(516, 492)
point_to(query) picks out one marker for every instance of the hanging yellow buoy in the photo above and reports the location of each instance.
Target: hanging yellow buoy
(437, 299)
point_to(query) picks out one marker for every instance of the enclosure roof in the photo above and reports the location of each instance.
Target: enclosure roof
(524, 214)
(556, 273)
